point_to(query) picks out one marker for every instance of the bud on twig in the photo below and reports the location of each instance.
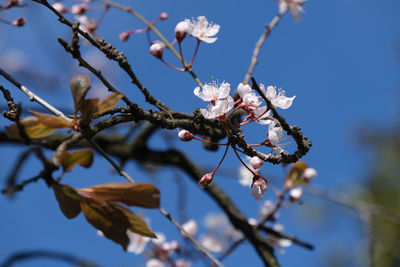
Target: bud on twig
(18, 22)
(206, 179)
(181, 30)
(156, 49)
(185, 136)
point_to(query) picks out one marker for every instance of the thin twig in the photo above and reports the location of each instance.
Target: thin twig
(32, 96)
(260, 42)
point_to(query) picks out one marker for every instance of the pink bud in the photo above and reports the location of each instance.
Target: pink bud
(60, 8)
(181, 30)
(156, 49)
(123, 36)
(185, 136)
(18, 22)
(164, 16)
(309, 173)
(256, 162)
(174, 245)
(295, 194)
(206, 179)
(259, 187)
(79, 9)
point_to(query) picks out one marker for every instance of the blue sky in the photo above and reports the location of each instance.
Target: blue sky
(341, 61)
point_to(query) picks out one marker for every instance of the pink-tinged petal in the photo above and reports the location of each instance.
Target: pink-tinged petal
(213, 30)
(284, 102)
(271, 93)
(243, 89)
(283, 7)
(224, 90)
(208, 40)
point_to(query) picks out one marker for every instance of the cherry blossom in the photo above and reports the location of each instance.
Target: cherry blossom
(278, 100)
(137, 243)
(259, 188)
(251, 104)
(154, 263)
(190, 228)
(218, 96)
(309, 173)
(202, 30)
(275, 134)
(278, 243)
(294, 7)
(295, 194)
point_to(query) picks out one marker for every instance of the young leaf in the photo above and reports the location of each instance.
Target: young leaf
(108, 218)
(51, 121)
(136, 224)
(295, 174)
(33, 128)
(109, 102)
(132, 194)
(79, 85)
(68, 200)
(88, 110)
(70, 160)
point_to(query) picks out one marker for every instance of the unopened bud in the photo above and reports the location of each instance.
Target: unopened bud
(309, 173)
(181, 30)
(164, 16)
(79, 9)
(205, 180)
(18, 22)
(185, 135)
(60, 8)
(259, 187)
(124, 36)
(174, 245)
(156, 49)
(256, 162)
(295, 194)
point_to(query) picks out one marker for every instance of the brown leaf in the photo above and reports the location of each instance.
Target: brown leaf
(295, 174)
(68, 200)
(109, 102)
(79, 85)
(88, 110)
(137, 224)
(70, 160)
(108, 218)
(132, 194)
(32, 127)
(52, 121)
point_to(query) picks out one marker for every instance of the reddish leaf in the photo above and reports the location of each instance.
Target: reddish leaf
(51, 121)
(108, 218)
(79, 85)
(70, 160)
(68, 200)
(33, 128)
(137, 224)
(132, 194)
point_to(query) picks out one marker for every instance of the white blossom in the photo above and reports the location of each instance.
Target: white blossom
(275, 135)
(218, 96)
(278, 100)
(278, 243)
(137, 243)
(212, 243)
(251, 104)
(294, 7)
(190, 227)
(309, 173)
(259, 188)
(295, 194)
(154, 263)
(202, 30)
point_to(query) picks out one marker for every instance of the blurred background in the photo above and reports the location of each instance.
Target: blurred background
(342, 61)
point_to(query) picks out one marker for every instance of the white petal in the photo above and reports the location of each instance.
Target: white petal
(271, 93)
(284, 102)
(213, 30)
(208, 40)
(224, 90)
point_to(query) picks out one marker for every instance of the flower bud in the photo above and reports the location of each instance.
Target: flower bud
(124, 36)
(309, 173)
(295, 194)
(60, 8)
(206, 179)
(79, 9)
(18, 22)
(259, 187)
(164, 16)
(256, 162)
(174, 245)
(156, 49)
(181, 30)
(185, 135)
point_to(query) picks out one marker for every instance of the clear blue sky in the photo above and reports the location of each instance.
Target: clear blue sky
(341, 61)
